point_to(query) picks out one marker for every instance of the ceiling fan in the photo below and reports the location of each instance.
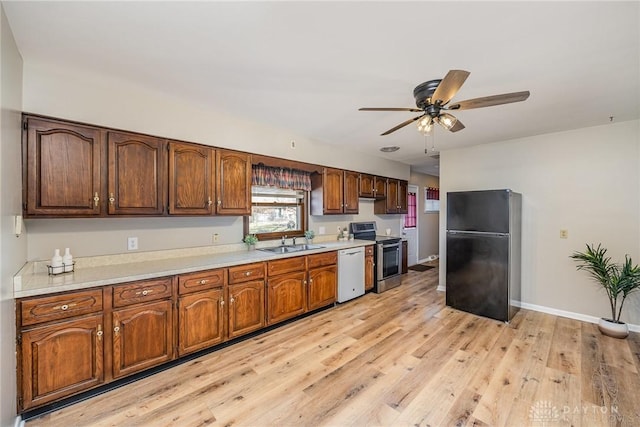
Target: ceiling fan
(433, 97)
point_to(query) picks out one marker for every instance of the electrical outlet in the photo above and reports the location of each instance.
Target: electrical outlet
(564, 234)
(215, 238)
(132, 243)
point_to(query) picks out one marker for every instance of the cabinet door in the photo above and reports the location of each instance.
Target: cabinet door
(380, 187)
(333, 191)
(369, 266)
(403, 190)
(137, 165)
(323, 286)
(142, 337)
(61, 359)
(233, 183)
(62, 169)
(286, 297)
(392, 196)
(366, 188)
(191, 179)
(246, 308)
(201, 320)
(351, 188)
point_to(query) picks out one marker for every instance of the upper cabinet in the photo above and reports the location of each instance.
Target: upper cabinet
(61, 168)
(137, 174)
(233, 183)
(334, 192)
(395, 201)
(191, 179)
(372, 187)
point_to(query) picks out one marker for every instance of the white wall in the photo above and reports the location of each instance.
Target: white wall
(101, 100)
(586, 181)
(13, 250)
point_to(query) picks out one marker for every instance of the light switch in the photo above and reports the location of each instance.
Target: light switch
(564, 234)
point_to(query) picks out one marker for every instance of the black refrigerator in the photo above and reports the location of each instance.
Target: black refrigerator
(483, 252)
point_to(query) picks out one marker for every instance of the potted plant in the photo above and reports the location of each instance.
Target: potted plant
(617, 280)
(309, 235)
(250, 240)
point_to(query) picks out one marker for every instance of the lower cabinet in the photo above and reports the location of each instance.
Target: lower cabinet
(286, 296)
(59, 360)
(246, 308)
(201, 320)
(142, 337)
(61, 337)
(369, 268)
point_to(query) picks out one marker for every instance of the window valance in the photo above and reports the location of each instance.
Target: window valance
(280, 177)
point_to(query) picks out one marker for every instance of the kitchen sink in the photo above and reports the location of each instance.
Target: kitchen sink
(290, 248)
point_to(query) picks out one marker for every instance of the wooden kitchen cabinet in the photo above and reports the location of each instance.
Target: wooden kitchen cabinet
(143, 331)
(286, 289)
(233, 183)
(286, 296)
(369, 268)
(372, 187)
(366, 187)
(137, 174)
(246, 308)
(246, 298)
(59, 360)
(395, 201)
(202, 313)
(191, 179)
(61, 168)
(334, 191)
(60, 346)
(322, 279)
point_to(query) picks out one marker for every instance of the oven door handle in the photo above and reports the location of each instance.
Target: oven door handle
(390, 245)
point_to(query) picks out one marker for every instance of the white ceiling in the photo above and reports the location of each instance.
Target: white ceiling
(309, 66)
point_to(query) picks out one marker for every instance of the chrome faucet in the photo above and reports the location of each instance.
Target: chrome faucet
(294, 241)
(282, 242)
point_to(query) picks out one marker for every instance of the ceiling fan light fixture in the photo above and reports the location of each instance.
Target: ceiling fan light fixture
(446, 120)
(425, 125)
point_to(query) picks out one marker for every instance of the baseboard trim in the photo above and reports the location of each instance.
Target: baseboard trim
(557, 312)
(568, 314)
(19, 422)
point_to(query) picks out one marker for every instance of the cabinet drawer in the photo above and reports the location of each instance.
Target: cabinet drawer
(286, 266)
(137, 292)
(45, 309)
(319, 260)
(200, 281)
(368, 250)
(244, 273)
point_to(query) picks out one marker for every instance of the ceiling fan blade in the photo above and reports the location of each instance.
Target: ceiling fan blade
(401, 125)
(488, 101)
(389, 109)
(458, 126)
(449, 86)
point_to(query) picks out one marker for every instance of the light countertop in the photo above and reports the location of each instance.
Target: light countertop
(33, 278)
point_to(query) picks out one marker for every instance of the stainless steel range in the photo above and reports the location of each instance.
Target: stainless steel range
(387, 254)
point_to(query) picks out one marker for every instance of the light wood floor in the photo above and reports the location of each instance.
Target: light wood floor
(395, 359)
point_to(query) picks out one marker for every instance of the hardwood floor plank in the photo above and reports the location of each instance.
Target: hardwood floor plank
(565, 348)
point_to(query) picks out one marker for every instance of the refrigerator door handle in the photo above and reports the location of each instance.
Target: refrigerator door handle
(477, 233)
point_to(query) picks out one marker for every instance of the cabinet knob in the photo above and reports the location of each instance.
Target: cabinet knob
(111, 199)
(219, 202)
(99, 333)
(310, 281)
(248, 273)
(116, 330)
(209, 202)
(304, 282)
(64, 307)
(232, 300)
(203, 281)
(96, 199)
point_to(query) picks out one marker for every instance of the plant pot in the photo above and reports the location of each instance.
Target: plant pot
(309, 241)
(251, 247)
(613, 329)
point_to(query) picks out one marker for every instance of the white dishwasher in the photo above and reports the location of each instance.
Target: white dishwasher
(350, 273)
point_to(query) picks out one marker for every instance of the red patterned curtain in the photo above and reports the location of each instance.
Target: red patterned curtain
(267, 176)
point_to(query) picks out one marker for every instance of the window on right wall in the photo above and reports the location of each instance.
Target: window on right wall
(431, 199)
